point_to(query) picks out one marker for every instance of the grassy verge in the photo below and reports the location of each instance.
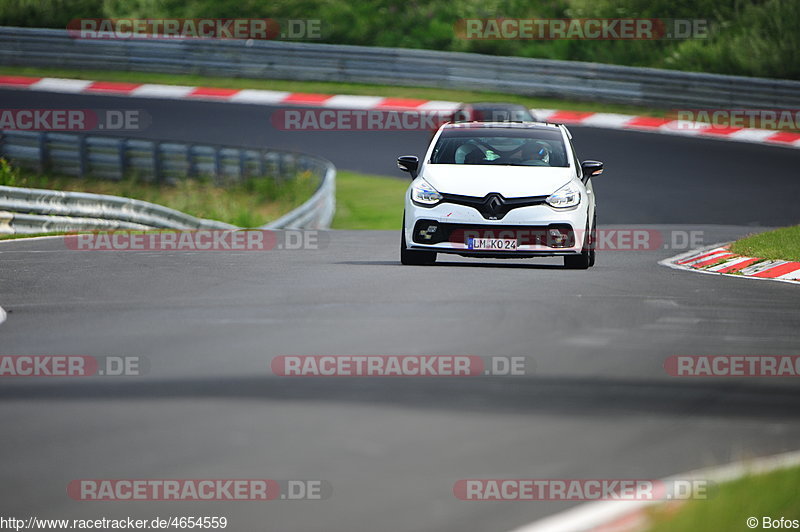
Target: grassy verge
(4, 236)
(249, 204)
(772, 495)
(782, 244)
(324, 87)
(362, 201)
(368, 201)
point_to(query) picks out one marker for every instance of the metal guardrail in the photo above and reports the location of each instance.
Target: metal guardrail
(148, 160)
(94, 211)
(34, 210)
(397, 66)
(317, 212)
(26, 224)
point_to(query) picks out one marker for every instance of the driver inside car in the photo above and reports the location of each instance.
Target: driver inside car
(535, 153)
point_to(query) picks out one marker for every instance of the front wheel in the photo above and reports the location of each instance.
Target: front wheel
(414, 257)
(587, 257)
(578, 262)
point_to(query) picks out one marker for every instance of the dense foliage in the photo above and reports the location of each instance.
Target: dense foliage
(748, 37)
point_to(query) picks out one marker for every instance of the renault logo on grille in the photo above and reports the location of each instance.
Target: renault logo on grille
(494, 203)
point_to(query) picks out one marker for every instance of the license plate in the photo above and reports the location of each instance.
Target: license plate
(492, 244)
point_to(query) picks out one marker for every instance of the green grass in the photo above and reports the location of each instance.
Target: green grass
(324, 87)
(362, 201)
(773, 495)
(782, 244)
(249, 204)
(4, 236)
(368, 201)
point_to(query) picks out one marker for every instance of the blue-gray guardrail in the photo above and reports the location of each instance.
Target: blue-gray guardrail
(397, 66)
(24, 210)
(81, 210)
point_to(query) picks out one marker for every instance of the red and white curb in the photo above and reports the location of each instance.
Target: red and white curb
(719, 260)
(254, 96)
(669, 126)
(344, 101)
(633, 516)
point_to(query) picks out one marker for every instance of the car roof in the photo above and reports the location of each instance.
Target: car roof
(500, 125)
(496, 105)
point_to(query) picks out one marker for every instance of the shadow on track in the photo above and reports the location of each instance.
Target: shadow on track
(531, 266)
(538, 395)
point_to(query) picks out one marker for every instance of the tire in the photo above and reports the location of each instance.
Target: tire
(577, 262)
(411, 257)
(587, 255)
(593, 242)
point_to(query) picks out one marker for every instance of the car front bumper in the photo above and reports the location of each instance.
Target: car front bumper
(448, 228)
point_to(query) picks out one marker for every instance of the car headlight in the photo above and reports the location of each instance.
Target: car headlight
(567, 196)
(423, 193)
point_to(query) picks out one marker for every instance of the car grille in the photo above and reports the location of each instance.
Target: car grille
(493, 206)
(433, 232)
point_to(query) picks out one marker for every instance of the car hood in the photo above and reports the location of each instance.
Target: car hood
(509, 181)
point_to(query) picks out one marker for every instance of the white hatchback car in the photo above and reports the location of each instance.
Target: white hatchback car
(500, 190)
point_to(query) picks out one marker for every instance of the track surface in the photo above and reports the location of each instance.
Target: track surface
(598, 403)
(651, 178)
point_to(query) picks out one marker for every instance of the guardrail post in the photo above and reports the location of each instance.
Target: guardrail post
(262, 167)
(121, 159)
(242, 161)
(43, 153)
(289, 166)
(83, 157)
(191, 164)
(281, 167)
(157, 174)
(217, 166)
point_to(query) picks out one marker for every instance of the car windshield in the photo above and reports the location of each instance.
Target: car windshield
(501, 147)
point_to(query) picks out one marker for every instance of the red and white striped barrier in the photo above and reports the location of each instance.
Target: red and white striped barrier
(719, 260)
(344, 101)
(181, 92)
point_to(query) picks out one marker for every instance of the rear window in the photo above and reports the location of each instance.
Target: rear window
(500, 147)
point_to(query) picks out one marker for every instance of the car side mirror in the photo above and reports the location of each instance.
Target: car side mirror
(591, 168)
(408, 163)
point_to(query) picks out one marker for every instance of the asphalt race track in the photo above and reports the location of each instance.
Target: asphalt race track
(596, 402)
(651, 178)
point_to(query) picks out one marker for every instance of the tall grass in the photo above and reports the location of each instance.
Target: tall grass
(9, 176)
(248, 204)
